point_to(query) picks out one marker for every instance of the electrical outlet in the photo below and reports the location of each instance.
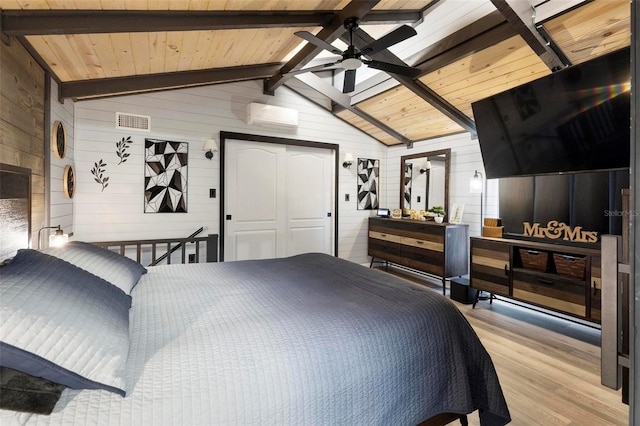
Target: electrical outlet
(346, 197)
(212, 193)
(192, 258)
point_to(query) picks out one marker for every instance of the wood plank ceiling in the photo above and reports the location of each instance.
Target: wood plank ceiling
(98, 48)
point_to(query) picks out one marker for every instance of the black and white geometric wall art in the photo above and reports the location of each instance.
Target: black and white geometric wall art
(368, 171)
(408, 179)
(165, 176)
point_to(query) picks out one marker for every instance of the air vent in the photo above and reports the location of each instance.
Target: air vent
(133, 122)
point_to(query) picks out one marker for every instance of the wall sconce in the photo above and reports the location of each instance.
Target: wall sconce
(210, 148)
(426, 167)
(56, 239)
(475, 185)
(348, 160)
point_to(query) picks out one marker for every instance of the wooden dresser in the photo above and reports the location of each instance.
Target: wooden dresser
(562, 278)
(437, 249)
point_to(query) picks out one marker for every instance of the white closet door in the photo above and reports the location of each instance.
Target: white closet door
(309, 200)
(254, 196)
(278, 200)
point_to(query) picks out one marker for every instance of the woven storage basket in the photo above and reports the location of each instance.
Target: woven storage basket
(570, 266)
(535, 260)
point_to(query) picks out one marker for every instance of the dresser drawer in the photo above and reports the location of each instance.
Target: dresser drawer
(419, 243)
(385, 237)
(561, 294)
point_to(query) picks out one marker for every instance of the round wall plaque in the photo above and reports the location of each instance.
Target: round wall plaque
(69, 181)
(59, 139)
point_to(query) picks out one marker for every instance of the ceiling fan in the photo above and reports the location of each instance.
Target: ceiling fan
(352, 58)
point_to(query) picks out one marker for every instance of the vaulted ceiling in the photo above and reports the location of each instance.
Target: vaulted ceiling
(466, 50)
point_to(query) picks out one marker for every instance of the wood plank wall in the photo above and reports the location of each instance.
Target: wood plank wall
(22, 127)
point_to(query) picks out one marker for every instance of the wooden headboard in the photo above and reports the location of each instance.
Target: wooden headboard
(15, 209)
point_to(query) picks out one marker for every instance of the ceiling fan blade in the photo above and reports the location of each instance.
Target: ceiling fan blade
(395, 36)
(394, 69)
(349, 81)
(318, 42)
(323, 67)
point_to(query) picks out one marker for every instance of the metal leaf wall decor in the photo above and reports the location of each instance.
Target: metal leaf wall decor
(122, 147)
(98, 171)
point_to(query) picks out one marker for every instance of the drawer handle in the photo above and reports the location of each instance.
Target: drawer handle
(568, 258)
(419, 242)
(545, 281)
(506, 269)
(383, 235)
(595, 289)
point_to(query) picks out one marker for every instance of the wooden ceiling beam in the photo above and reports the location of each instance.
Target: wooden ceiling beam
(483, 33)
(23, 23)
(151, 82)
(361, 38)
(329, 33)
(383, 17)
(521, 16)
(344, 102)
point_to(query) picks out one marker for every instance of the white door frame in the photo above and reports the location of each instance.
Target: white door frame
(224, 136)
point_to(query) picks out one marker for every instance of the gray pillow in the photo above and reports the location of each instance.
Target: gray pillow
(119, 270)
(62, 323)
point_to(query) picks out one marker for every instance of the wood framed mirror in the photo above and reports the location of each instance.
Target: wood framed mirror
(424, 180)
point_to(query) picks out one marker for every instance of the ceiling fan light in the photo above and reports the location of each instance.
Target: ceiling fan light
(351, 63)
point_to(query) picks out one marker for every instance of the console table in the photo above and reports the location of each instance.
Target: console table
(561, 278)
(439, 249)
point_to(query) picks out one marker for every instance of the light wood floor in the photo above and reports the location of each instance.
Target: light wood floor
(549, 368)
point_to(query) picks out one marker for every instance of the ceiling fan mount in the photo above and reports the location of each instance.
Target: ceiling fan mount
(352, 57)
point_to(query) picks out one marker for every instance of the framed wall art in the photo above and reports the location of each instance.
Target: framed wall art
(368, 172)
(69, 181)
(165, 176)
(408, 179)
(59, 139)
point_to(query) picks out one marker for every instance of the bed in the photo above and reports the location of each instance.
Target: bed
(310, 339)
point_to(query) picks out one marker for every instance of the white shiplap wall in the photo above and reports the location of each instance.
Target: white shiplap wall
(60, 207)
(465, 159)
(194, 115)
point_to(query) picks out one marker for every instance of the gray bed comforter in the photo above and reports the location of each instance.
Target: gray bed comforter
(305, 340)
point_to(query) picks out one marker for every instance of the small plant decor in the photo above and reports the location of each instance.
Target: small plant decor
(437, 210)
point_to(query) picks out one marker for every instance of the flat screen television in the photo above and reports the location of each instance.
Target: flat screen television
(574, 120)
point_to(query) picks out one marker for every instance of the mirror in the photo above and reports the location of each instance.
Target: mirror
(424, 180)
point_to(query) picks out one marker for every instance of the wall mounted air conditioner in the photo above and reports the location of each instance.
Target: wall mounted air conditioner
(270, 115)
